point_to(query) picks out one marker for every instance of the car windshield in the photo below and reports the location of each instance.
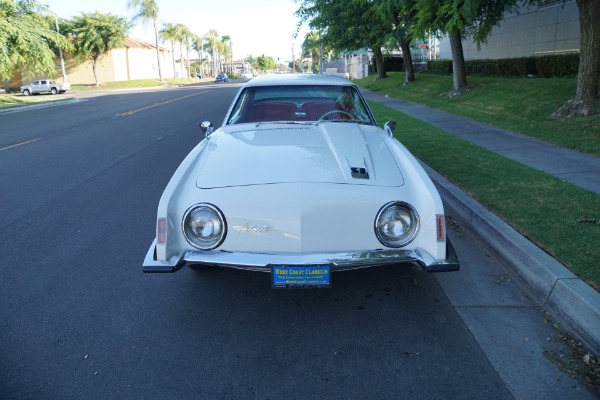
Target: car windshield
(300, 103)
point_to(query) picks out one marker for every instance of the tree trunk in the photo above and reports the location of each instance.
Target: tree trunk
(379, 62)
(459, 74)
(173, 57)
(404, 41)
(187, 61)
(408, 63)
(181, 60)
(157, 50)
(94, 63)
(586, 95)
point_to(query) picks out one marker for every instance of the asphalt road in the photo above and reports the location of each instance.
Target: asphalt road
(79, 187)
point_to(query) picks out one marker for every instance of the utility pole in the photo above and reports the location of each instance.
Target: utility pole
(293, 61)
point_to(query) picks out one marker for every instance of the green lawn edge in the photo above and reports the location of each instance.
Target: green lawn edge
(522, 105)
(559, 217)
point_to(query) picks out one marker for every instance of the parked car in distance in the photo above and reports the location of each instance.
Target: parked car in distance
(222, 78)
(300, 182)
(44, 86)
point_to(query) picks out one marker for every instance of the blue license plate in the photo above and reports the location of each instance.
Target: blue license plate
(301, 276)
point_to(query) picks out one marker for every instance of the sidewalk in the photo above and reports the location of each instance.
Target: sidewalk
(580, 169)
(553, 285)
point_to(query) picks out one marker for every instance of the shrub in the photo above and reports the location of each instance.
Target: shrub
(547, 66)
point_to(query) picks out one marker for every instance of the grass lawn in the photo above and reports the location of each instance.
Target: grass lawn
(558, 216)
(523, 105)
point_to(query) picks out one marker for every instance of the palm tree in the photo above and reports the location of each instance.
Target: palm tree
(198, 46)
(228, 51)
(182, 34)
(186, 37)
(212, 37)
(169, 33)
(147, 10)
(311, 48)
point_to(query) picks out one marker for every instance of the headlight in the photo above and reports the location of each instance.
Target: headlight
(204, 226)
(396, 224)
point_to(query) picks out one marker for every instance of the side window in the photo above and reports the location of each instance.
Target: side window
(43, 82)
(35, 83)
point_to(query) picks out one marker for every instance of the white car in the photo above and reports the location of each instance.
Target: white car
(299, 182)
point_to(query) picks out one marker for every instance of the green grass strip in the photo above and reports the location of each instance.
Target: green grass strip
(561, 218)
(523, 105)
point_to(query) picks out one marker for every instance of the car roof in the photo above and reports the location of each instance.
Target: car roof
(297, 79)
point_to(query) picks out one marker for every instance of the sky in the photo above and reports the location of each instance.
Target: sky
(256, 27)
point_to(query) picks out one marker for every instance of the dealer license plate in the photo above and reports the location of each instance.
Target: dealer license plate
(301, 276)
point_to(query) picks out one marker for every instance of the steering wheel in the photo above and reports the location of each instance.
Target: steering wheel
(322, 117)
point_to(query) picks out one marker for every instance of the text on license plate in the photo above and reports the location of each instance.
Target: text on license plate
(301, 276)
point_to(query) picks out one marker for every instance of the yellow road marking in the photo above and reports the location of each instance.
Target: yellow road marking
(162, 103)
(18, 144)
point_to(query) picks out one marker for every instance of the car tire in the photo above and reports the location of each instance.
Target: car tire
(26, 92)
(53, 91)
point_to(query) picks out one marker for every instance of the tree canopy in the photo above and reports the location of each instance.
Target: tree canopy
(355, 24)
(28, 38)
(94, 35)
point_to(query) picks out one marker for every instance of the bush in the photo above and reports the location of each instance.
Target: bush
(557, 65)
(547, 66)
(440, 67)
(501, 67)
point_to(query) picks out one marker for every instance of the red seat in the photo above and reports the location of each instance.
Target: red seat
(317, 110)
(272, 112)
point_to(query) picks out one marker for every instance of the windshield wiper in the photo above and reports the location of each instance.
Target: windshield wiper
(287, 122)
(352, 121)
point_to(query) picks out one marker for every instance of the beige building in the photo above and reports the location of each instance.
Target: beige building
(137, 60)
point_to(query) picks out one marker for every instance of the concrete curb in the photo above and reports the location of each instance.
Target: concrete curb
(571, 300)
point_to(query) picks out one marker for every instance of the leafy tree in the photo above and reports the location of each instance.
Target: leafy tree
(401, 14)
(348, 25)
(265, 63)
(169, 33)
(27, 38)
(94, 35)
(460, 19)
(147, 10)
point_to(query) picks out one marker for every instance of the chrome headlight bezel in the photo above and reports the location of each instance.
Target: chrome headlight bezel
(216, 215)
(409, 214)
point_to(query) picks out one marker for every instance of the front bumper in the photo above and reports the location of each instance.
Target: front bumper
(338, 261)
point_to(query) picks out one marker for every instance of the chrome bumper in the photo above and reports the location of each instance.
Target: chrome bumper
(338, 261)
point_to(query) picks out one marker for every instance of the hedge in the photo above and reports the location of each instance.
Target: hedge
(547, 66)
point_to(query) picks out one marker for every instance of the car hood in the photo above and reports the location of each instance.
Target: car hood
(328, 152)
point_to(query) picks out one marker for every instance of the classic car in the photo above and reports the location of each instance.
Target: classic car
(299, 181)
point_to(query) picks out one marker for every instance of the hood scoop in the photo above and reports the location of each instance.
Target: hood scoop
(359, 173)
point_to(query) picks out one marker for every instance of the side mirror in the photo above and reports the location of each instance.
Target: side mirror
(207, 128)
(389, 127)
